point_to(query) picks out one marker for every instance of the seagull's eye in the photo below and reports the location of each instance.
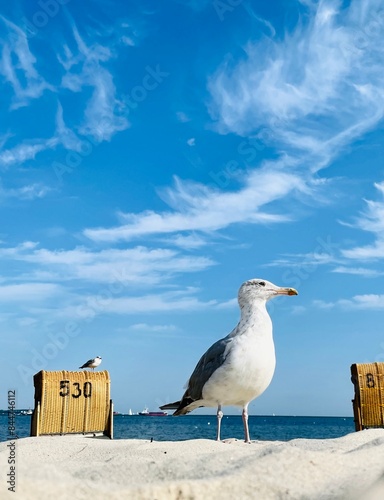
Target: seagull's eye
(262, 283)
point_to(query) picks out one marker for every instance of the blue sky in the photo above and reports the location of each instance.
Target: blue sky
(153, 157)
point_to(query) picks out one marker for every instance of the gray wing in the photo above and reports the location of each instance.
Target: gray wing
(89, 362)
(208, 364)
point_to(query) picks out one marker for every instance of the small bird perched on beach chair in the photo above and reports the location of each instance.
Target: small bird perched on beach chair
(92, 363)
(238, 368)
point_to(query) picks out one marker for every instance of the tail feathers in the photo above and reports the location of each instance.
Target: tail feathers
(182, 407)
(181, 411)
(170, 406)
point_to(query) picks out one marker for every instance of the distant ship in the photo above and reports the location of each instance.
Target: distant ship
(147, 413)
(26, 412)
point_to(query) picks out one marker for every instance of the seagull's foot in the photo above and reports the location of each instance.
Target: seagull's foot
(229, 440)
(232, 440)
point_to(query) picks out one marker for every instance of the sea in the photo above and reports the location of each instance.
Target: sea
(262, 427)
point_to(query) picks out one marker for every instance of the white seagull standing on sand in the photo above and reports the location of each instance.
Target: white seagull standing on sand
(92, 363)
(238, 368)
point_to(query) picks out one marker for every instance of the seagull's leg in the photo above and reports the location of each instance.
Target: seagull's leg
(219, 417)
(245, 422)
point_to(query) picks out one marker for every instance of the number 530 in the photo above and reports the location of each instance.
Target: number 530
(65, 389)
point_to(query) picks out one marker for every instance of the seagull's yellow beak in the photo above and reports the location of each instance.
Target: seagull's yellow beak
(287, 291)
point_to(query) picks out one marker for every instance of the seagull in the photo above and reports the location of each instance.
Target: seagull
(92, 363)
(238, 368)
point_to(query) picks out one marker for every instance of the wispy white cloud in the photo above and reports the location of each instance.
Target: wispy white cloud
(315, 90)
(367, 252)
(27, 321)
(228, 304)
(17, 65)
(131, 32)
(138, 266)
(147, 330)
(358, 271)
(65, 135)
(145, 327)
(371, 220)
(182, 117)
(3, 139)
(92, 283)
(28, 292)
(199, 208)
(27, 192)
(86, 307)
(308, 260)
(104, 112)
(127, 40)
(263, 22)
(179, 301)
(25, 151)
(186, 242)
(298, 310)
(358, 302)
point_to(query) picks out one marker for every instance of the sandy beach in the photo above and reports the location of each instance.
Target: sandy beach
(80, 467)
